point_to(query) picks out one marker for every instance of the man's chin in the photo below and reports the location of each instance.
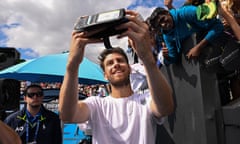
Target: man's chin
(35, 105)
(120, 83)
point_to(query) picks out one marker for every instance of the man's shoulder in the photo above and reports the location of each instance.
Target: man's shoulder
(49, 113)
(97, 101)
(184, 11)
(92, 98)
(187, 7)
(13, 116)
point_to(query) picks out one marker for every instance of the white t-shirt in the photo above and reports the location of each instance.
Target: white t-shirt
(122, 120)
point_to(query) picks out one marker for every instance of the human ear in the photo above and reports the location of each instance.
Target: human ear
(105, 76)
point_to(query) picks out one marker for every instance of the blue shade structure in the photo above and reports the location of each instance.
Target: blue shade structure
(51, 68)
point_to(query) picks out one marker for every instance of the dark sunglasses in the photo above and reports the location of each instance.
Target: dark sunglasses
(38, 94)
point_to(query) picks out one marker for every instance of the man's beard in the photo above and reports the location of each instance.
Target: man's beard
(121, 83)
(35, 106)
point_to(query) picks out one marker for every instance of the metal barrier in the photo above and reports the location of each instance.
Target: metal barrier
(197, 99)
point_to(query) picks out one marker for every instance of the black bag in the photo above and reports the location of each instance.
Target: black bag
(209, 59)
(230, 58)
(223, 54)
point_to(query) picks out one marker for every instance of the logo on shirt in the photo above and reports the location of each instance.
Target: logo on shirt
(19, 129)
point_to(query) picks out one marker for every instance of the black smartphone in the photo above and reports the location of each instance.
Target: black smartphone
(103, 23)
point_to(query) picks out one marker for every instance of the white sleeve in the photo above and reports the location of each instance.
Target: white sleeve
(161, 57)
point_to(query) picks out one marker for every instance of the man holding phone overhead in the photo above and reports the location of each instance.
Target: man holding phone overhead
(124, 116)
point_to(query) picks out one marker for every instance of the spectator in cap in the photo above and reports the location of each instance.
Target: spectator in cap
(176, 25)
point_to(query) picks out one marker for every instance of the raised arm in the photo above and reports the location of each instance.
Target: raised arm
(213, 27)
(70, 109)
(168, 4)
(162, 102)
(227, 15)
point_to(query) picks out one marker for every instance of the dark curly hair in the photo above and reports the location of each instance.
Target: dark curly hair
(106, 52)
(153, 20)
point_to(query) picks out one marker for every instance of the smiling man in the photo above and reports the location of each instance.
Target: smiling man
(124, 116)
(176, 25)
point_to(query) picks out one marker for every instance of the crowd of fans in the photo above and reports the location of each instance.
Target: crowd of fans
(216, 44)
(217, 37)
(215, 25)
(88, 90)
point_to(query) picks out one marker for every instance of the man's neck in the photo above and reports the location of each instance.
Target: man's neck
(33, 110)
(121, 92)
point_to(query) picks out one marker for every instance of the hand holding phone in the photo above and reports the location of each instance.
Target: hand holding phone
(103, 23)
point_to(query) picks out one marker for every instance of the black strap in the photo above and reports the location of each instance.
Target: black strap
(107, 43)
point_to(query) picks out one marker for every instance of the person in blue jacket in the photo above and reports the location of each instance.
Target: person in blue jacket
(176, 25)
(34, 123)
